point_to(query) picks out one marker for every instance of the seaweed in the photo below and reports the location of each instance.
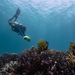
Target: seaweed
(71, 58)
(72, 46)
(38, 61)
(42, 45)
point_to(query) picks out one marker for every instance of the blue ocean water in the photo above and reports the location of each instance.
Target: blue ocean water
(51, 20)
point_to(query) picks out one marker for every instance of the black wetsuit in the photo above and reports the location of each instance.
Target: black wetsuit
(20, 29)
(16, 26)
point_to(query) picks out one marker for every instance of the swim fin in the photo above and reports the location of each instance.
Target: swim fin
(17, 13)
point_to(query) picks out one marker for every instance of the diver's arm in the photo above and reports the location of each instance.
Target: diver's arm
(24, 37)
(20, 31)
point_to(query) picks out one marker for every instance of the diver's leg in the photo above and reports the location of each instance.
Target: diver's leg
(11, 19)
(15, 18)
(17, 13)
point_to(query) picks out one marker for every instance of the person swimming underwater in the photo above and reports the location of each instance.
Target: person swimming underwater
(19, 28)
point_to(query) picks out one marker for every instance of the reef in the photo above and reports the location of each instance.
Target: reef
(38, 61)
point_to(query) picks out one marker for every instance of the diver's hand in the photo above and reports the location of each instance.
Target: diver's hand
(27, 38)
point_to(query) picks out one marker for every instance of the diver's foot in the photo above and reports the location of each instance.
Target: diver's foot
(17, 13)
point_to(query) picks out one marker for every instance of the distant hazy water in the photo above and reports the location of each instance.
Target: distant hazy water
(51, 20)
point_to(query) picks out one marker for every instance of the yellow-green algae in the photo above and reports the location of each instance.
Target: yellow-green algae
(42, 45)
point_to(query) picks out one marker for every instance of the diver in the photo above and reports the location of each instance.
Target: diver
(19, 28)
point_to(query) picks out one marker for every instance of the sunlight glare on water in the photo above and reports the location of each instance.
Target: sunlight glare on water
(44, 7)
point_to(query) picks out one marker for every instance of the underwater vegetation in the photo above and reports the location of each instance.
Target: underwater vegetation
(42, 45)
(72, 46)
(71, 56)
(33, 62)
(71, 60)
